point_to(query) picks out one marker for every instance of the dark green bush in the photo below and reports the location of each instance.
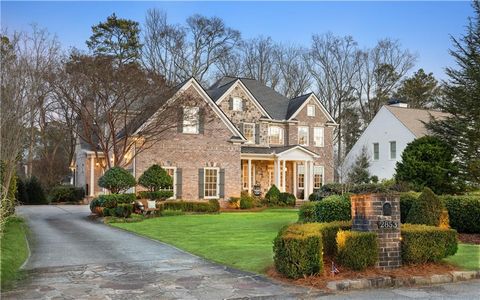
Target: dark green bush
(122, 210)
(333, 208)
(369, 188)
(21, 194)
(298, 250)
(66, 193)
(246, 203)
(35, 192)
(329, 235)
(307, 213)
(117, 180)
(286, 199)
(191, 206)
(426, 210)
(113, 200)
(357, 250)
(107, 212)
(155, 178)
(421, 243)
(406, 201)
(463, 212)
(272, 196)
(214, 205)
(157, 195)
(316, 196)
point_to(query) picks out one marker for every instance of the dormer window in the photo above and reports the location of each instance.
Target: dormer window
(237, 104)
(311, 110)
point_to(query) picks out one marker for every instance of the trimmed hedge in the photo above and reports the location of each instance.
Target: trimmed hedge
(211, 206)
(427, 209)
(157, 195)
(333, 208)
(329, 235)
(286, 199)
(123, 210)
(421, 243)
(66, 193)
(298, 250)
(406, 201)
(357, 250)
(307, 213)
(111, 200)
(463, 212)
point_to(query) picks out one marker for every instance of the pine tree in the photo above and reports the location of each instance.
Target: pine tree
(420, 90)
(462, 93)
(359, 172)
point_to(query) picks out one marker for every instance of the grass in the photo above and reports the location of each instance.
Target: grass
(467, 257)
(14, 250)
(242, 240)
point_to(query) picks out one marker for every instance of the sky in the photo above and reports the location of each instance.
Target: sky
(422, 27)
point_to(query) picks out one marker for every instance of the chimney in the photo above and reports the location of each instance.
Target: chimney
(397, 103)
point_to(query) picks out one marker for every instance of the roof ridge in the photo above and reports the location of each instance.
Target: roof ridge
(303, 95)
(413, 108)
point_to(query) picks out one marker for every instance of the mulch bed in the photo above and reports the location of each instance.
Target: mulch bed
(320, 281)
(467, 238)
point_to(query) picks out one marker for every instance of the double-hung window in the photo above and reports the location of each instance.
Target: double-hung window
(211, 183)
(275, 135)
(376, 151)
(237, 104)
(191, 120)
(318, 177)
(301, 176)
(249, 132)
(303, 135)
(393, 150)
(318, 136)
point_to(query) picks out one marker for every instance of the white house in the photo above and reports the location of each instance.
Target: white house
(387, 135)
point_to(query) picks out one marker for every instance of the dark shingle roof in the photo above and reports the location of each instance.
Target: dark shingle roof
(269, 150)
(295, 103)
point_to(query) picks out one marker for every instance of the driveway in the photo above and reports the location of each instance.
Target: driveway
(73, 257)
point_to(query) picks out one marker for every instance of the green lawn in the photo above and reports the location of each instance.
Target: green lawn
(14, 250)
(467, 257)
(242, 240)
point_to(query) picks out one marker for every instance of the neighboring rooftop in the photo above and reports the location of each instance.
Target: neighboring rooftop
(414, 118)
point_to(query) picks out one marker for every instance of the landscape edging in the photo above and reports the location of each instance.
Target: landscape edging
(388, 281)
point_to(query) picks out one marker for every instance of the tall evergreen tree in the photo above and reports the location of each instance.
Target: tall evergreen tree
(359, 172)
(420, 90)
(462, 93)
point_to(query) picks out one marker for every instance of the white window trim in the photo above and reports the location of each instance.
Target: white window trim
(308, 135)
(218, 182)
(253, 126)
(233, 103)
(298, 177)
(373, 151)
(323, 175)
(174, 181)
(197, 126)
(322, 141)
(390, 150)
(282, 133)
(314, 112)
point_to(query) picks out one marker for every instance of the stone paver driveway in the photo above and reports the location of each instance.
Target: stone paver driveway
(76, 258)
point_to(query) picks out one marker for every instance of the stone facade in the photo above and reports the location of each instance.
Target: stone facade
(380, 214)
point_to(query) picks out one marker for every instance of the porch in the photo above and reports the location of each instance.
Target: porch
(292, 169)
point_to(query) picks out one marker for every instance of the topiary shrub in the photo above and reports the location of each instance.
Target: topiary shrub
(307, 213)
(298, 250)
(286, 199)
(357, 250)
(116, 180)
(406, 201)
(157, 195)
(421, 243)
(333, 208)
(426, 210)
(463, 212)
(35, 192)
(155, 179)
(272, 196)
(66, 193)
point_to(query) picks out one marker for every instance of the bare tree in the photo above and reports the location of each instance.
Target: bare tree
(381, 69)
(259, 61)
(295, 78)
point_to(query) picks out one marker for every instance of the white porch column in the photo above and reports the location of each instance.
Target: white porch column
(92, 175)
(277, 173)
(284, 175)
(305, 180)
(294, 178)
(310, 175)
(250, 176)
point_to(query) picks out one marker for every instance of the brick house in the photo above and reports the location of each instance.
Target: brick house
(254, 138)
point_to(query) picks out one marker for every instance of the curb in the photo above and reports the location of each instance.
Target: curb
(388, 282)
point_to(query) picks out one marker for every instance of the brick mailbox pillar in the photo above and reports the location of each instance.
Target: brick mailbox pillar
(381, 214)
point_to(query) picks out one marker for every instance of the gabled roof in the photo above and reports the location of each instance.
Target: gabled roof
(295, 103)
(274, 150)
(414, 119)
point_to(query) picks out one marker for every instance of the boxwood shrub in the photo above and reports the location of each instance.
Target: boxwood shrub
(307, 213)
(112, 200)
(66, 193)
(298, 250)
(463, 212)
(246, 200)
(333, 208)
(357, 250)
(211, 206)
(286, 199)
(123, 210)
(427, 209)
(422, 243)
(406, 201)
(272, 196)
(156, 195)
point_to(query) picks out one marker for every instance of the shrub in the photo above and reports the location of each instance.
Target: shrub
(234, 202)
(214, 205)
(155, 178)
(156, 195)
(421, 243)
(357, 250)
(122, 210)
(66, 193)
(298, 250)
(329, 235)
(21, 195)
(316, 196)
(333, 208)
(246, 201)
(367, 188)
(272, 196)
(35, 192)
(406, 201)
(286, 199)
(463, 212)
(116, 180)
(307, 213)
(191, 206)
(94, 204)
(113, 200)
(426, 210)
(171, 212)
(107, 212)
